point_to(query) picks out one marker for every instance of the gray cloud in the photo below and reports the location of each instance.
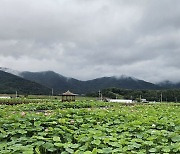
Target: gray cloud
(86, 39)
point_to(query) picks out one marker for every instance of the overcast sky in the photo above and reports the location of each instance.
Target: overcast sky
(86, 39)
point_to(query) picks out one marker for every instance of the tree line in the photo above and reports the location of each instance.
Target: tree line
(170, 95)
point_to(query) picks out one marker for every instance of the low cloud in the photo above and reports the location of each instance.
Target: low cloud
(90, 39)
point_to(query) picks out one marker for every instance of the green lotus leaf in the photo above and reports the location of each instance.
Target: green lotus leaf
(69, 150)
(74, 146)
(176, 138)
(95, 150)
(152, 150)
(56, 139)
(96, 142)
(59, 144)
(107, 150)
(166, 149)
(62, 120)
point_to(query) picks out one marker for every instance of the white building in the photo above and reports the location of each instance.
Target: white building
(120, 100)
(144, 101)
(5, 97)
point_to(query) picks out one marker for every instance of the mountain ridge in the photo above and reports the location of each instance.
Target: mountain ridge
(61, 83)
(10, 83)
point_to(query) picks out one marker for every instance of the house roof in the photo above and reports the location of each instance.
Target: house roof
(68, 93)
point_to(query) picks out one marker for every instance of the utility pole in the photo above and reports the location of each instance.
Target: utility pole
(161, 97)
(99, 95)
(139, 98)
(52, 92)
(176, 99)
(16, 94)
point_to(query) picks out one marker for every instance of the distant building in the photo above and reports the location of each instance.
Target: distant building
(120, 101)
(5, 97)
(144, 101)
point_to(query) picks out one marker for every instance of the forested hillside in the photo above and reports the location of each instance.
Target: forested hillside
(10, 83)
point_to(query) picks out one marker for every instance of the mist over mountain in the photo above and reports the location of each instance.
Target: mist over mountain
(11, 71)
(169, 84)
(60, 83)
(53, 80)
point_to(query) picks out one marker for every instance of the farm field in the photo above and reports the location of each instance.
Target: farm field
(88, 127)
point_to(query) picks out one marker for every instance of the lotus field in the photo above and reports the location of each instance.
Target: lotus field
(89, 127)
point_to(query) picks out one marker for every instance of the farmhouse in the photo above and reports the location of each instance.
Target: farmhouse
(68, 96)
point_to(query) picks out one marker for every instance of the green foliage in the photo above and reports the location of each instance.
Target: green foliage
(89, 127)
